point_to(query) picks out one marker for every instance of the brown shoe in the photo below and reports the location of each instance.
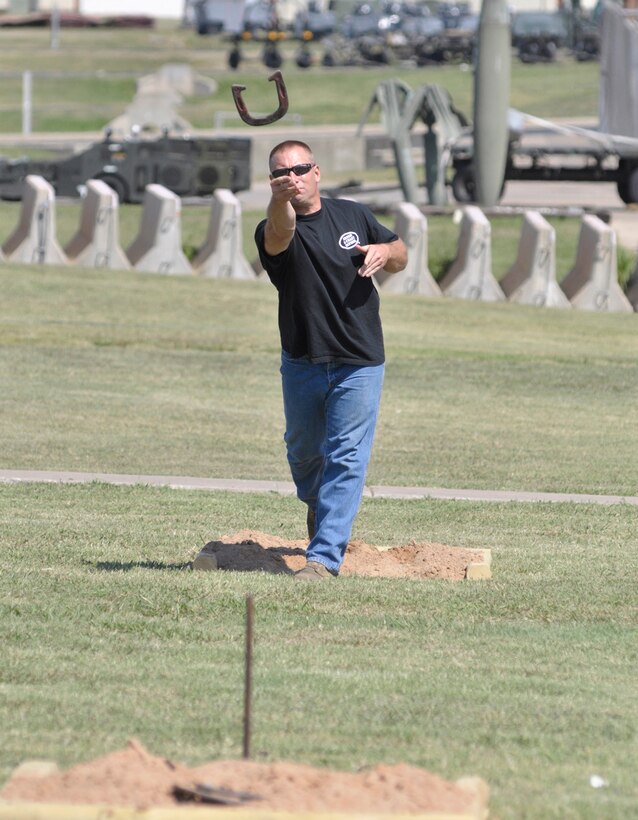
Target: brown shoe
(310, 523)
(314, 571)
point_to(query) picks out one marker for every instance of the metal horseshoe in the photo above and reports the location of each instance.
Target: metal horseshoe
(282, 96)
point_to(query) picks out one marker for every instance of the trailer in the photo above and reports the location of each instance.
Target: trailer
(188, 166)
(542, 150)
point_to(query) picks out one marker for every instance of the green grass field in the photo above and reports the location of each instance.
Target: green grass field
(527, 680)
(122, 372)
(90, 79)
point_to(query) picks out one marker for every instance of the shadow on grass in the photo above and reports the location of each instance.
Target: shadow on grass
(251, 556)
(245, 556)
(121, 566)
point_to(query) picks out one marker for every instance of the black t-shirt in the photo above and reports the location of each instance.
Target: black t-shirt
(326, 311)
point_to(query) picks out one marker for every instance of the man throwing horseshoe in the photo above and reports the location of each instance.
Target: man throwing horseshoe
(321, 255)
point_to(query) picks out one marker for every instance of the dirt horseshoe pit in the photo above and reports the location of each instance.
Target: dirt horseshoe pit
(251, 550)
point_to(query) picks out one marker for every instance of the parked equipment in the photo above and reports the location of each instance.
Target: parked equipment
(542, 150)
(188, 166)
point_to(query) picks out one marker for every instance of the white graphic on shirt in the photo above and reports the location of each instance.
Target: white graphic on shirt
(348, 240)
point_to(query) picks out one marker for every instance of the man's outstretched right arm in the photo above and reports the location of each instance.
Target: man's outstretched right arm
(280, 216)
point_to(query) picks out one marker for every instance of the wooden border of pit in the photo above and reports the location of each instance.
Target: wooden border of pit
(480, 570)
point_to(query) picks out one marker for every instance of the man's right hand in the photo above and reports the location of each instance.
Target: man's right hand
(283, 189)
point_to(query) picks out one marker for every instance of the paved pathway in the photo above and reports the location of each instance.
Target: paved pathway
(287, 488)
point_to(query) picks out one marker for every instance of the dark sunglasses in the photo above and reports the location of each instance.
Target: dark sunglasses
(297, 170)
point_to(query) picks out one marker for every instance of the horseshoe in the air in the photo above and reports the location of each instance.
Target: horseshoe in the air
(282, 96)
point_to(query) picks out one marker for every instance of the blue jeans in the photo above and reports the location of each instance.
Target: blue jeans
(331, 413)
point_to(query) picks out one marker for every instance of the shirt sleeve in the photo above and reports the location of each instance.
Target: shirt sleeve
(271, 264)
(377, 232)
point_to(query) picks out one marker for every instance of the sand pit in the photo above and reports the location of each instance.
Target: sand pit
(250, 550)
(133, 777)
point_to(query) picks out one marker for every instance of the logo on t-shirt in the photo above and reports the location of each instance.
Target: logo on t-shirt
(348, 240)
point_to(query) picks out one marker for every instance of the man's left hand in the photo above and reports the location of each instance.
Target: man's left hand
(375, 257)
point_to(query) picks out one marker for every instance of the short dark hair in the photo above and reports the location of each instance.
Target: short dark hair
(290, 144)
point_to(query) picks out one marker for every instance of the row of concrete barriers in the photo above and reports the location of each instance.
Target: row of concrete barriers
(591, 284)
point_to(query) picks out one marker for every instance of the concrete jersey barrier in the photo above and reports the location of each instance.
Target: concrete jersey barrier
(34, 239)
(592, 284)
(157, 248)
(470, 275)
(97, 241)
(532, 278)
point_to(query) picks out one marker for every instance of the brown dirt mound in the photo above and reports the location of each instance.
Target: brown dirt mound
(252, 550)
(133, 777)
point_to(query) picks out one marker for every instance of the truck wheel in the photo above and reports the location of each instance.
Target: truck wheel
(463, 185)
(628, 186)
(271, 57)
(117, 184)
(623, 193)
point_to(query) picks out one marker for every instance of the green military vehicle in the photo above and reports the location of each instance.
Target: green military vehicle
(188, 166)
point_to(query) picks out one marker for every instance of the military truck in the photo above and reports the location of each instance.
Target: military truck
(188, 166)
(538, 35)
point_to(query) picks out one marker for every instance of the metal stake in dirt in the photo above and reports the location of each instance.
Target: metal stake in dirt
(248, 680)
